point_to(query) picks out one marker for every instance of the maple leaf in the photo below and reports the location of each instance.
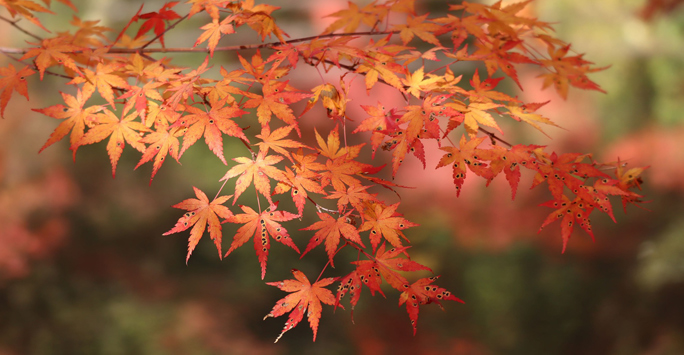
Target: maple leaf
(257, 170)
(370, 273)
(261, 226)
(209, 6)
(211, 124)
(104, 78)
(477, 115)
(417, 26)
(157, 21)
(422, 292)
(569, 212)
(306, 296)
(12, 80)
(385, 222)
(387, 263)
(53, 51)
(467, 155)
(508, 161)
(298, 184)
(161, 143)
(331, 229)
(259, 18)
(202, 213)
(139, 96)
(415, 82)
(25, 9)
(275, 101)
(122, 130)
(75, 118)
(525, 113)
(275, 140)
(213, 32)
(379, 124)
(355, 195)
(352, 17)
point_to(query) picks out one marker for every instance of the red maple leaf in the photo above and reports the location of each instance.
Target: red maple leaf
(306, 296)
(157, 21)
(261, 226)
(201, 213)
(422, 292)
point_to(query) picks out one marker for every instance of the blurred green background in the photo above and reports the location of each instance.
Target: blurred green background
(84, 268)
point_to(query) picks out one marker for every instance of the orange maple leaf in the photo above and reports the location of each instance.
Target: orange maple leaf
(107, 124)
(275, 101)
(104, 78)
(267, 223)
(306, 296)
(210, 124)
(12, 80)
(213, 32)
(257, 170)
(417, 26)
(162, 142)
(275, 140)
(298, 185)
(202, 213)
(75, 116)
(385, 222)
(53, 51)
(331, 229)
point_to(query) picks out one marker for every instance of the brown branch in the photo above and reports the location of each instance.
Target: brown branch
(206, 50)
(14, 24)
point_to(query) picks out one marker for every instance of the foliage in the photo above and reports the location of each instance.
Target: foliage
(123, 92)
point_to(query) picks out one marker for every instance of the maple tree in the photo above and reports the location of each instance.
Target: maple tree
(124, 93)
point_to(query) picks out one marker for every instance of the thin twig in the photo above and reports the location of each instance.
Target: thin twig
(14, 24)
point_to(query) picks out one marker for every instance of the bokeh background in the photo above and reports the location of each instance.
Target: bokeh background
(84, 268)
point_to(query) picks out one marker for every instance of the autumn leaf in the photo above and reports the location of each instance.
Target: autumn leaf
(212, 124)
(104, 78)
(261, 226)
(75, 118)
(307, 298)
(467, 155)
(258, 170)
(331, 229)
(422, 292)
(162, 142)
(418, 26)
(385, 222)
(298, 184)
(53, 51)
(12, 80)
(275, 140)
(122, 130)
(156, 21)
(275, 101)
(202, 213)
(570, 213)
(213, 32)
(525, 113)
